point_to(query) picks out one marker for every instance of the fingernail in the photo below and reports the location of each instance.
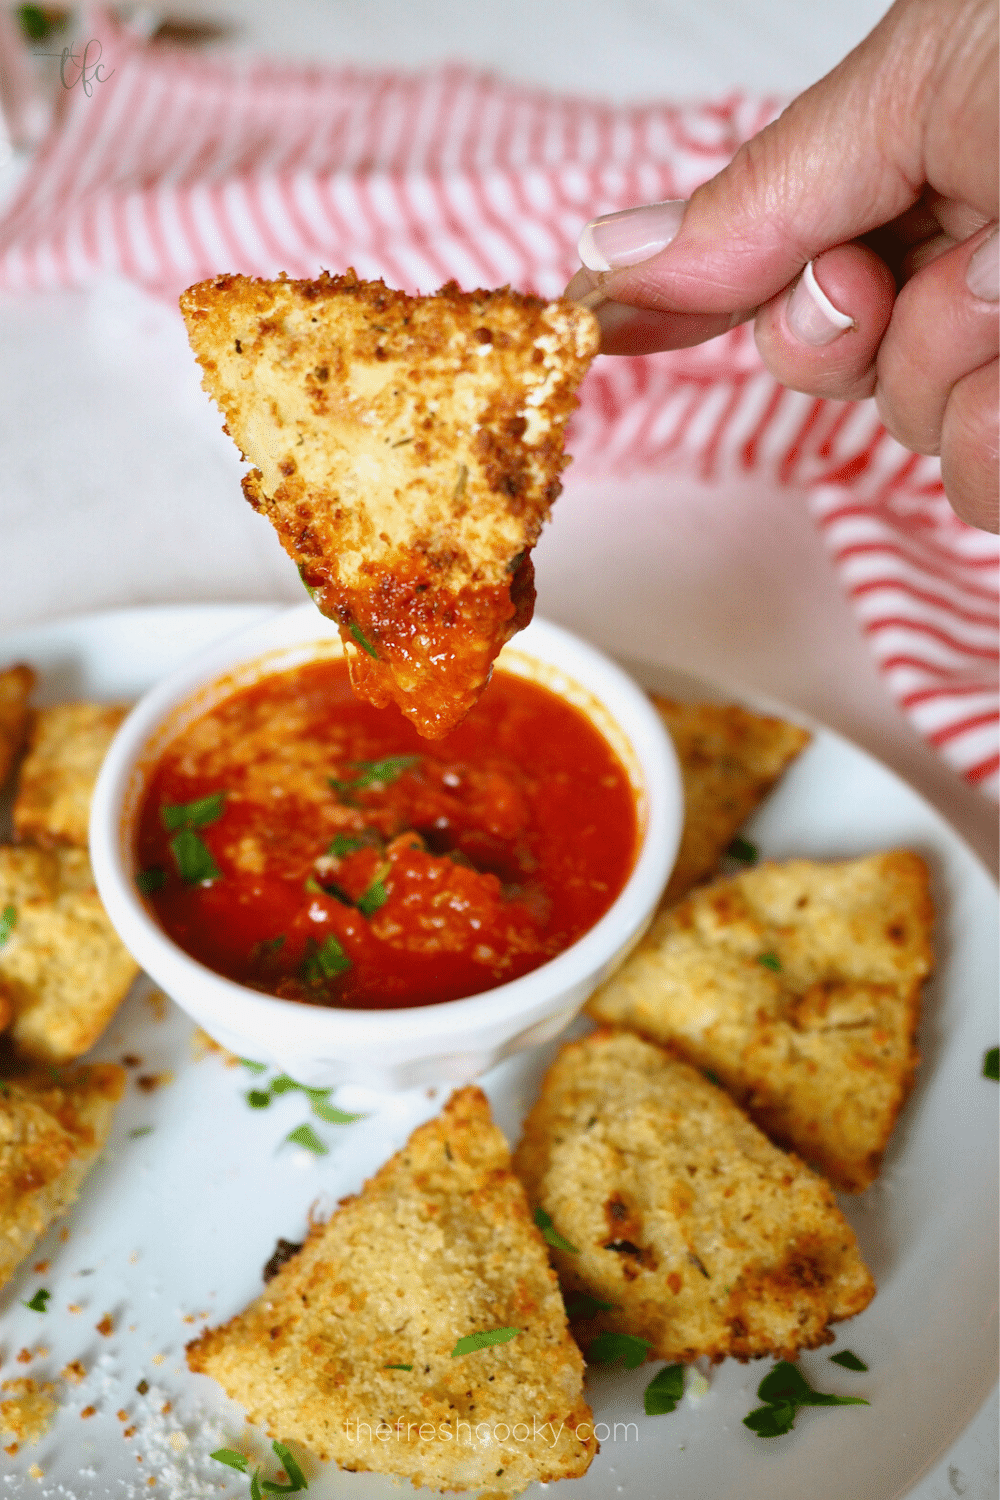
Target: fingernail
(811, 315)
(983, 275)
(626, 238)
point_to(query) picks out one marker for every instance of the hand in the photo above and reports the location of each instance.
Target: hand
(859, 231)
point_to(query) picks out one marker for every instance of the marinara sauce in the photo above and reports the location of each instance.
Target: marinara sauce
(302, 842)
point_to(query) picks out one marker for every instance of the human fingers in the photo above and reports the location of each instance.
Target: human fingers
(969, 448)
(850, 155)
(944, 326)
(823, 334)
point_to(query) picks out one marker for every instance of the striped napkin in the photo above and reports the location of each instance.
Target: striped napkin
(175, 167)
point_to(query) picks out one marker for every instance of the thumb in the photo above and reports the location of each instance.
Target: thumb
(845, 158)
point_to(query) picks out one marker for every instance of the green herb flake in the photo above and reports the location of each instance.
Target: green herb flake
(363, 640)
(147, 882)
(39, 1300)
(785, 1390)
(343, 844)
(8, 921)
(304, 1135)
(283, 1084)
(230, 1458)
(382, 771)
(744, 851)
(193, 858)
(848, 1360)
(252, 1066)
(308, 587)
(550, 1234)
(664, 1391)
(332, 1115)
(255, 1491)
(585, 1306)
(376, 895)
(296, 1478)
(139, 1131)
(770, 961)
(197, 814)
(609, 1348)
(397, 1367)
(258, 1098)
(473, 1341)
(991, 1059)
(326, 962)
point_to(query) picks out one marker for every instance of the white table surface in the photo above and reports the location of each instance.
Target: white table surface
(117, 487)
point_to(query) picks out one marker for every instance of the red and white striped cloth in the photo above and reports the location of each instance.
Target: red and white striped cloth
(176, 167)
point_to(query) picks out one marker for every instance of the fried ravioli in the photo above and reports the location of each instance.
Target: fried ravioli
(798, 985)
(698, 1234)
(15, 688)
(730, 759)
(65, 751)
(350, 1349)
(407, 451)
(52, 1127)
(63, 969)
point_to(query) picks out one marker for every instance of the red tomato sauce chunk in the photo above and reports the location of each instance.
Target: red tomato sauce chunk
(309, 845)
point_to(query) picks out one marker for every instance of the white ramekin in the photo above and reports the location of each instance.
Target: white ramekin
(385, 1049)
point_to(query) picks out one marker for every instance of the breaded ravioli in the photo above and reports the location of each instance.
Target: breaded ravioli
(63, 969)
(52, 1126)
(407, 451)
(730, 759)
(798, 985)
(66, 747)
(701, 1236)
(15, 689)
(351, 1348)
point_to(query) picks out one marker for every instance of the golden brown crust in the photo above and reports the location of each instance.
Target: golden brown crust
(52, 1127)
(705, 1238)
(407, 451)
(818, 1042)
(730, 759)
(16, 684)
(63, 969)
(66, 747)
(438, 1245)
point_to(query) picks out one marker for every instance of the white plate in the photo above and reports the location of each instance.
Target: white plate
(174, 1225)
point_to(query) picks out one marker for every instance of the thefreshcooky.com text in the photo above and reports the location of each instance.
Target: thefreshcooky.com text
(483, 1432)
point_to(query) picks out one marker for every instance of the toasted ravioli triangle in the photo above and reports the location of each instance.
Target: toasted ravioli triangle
(52, 1127)
(798, 985)
(697, 1234)
(437, 1246)
(15, 688)
(66, 747)
(407, 451)
(729, 758)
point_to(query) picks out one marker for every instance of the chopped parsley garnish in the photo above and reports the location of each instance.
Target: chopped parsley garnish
(148, 881)
(376, 895)
(848, 1360)
(609, 1348)
(585, 1306)
(363, 640)
(326, 962)
(397, 1367)
(551, 1234)
(312, 594)
(139, 1131)
(786, 1390)
(193, 857)
(382, 771)
(664, 1391)
(304, 1135)
(343, 844)
(38, 1301)
(231, 1459)
(770, 961)
(258, 1098)
(196, 814)
(8, 921)
(332, 1115)
(744, 851)
(991, 1059)
(489, 1336)
(251, 1066)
